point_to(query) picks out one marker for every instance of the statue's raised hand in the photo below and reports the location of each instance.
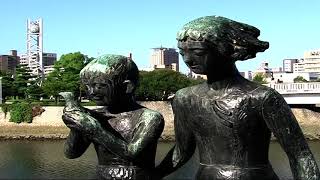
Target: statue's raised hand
(75, 117)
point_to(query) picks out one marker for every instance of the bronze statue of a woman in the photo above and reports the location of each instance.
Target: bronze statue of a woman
(229, 118)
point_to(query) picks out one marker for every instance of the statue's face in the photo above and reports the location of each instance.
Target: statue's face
(198, 56)
(103, 90)
(201, 57)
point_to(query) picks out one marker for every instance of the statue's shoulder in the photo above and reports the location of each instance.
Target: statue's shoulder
(190, 91)
(261, 92)
(151, 115)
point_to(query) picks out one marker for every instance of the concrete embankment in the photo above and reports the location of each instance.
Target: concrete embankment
(49, 124)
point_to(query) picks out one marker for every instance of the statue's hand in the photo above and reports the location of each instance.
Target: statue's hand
(71, 120)
(80, 121)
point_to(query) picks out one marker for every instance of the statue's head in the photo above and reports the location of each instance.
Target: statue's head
(109, 78)
(208, 42)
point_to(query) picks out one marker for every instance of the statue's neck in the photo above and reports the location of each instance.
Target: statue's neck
(123, 105)
(221, 79)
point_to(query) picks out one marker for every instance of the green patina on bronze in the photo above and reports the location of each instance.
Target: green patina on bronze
(113, 66)
(109, 63)
(228, 119)
(217, 30)
(124, 133)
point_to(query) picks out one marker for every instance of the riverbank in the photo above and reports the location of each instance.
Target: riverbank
(49, 124)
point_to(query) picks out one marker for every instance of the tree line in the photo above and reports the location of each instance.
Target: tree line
(153, 85)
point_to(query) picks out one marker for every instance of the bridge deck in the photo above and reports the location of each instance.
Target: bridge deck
(298, 93)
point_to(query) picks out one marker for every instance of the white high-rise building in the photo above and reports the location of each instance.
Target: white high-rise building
(288, 65)
(165, 58)
(310, 62)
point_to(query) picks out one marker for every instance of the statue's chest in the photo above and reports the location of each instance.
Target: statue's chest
(123, 124)
(218, 115)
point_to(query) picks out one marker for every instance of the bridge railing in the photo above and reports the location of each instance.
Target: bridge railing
(294, 88)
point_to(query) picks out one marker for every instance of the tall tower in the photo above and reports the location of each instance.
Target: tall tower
(35, 46)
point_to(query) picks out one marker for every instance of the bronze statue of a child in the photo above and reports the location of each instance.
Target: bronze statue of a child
(124, 133)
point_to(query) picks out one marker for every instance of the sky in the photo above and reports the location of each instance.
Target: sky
(96, 27)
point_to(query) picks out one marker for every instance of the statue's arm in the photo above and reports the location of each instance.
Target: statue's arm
(281, 121)
(185, 142)
(146, 133)
(76, 144)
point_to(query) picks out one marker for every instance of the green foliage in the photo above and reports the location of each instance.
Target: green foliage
(34, 91)
(21, 111)
(299, 79)
(5, 109)
(65, 76)
(21, 81)
(259, 78)
(160, 84)
(7, 85)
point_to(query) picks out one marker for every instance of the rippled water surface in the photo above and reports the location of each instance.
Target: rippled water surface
(45, 160)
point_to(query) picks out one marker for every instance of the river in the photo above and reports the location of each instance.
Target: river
(45, 160)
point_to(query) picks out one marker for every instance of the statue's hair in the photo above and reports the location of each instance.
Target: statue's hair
(224, 33)
(119, 67)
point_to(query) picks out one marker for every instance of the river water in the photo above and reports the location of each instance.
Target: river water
(45, 160)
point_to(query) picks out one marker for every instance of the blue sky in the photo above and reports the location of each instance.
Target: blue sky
(100, 26)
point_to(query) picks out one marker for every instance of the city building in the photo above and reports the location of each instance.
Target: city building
(48, 69)
(310, 63)
(165, 58)
(298, 67)
(48, 60)
(267, 71)
(8, 63)
(263, 69)
(289, 77)
(247, 74)
(196, 76)
(288, 65)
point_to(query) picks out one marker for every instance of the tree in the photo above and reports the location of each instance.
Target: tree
(21, 80)
(259, 78)
(7, 85)
(65, 76)
(34, 89)
(160, 84)
(299, 79)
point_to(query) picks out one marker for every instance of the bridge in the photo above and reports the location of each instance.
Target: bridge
(298, 93)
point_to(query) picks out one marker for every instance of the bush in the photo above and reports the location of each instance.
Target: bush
(259, 78)
(299, 79)
(159, 85)
(21, 112)
(5, 109)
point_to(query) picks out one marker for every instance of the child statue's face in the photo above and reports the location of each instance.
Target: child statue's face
(102, 89)
(201, 57)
